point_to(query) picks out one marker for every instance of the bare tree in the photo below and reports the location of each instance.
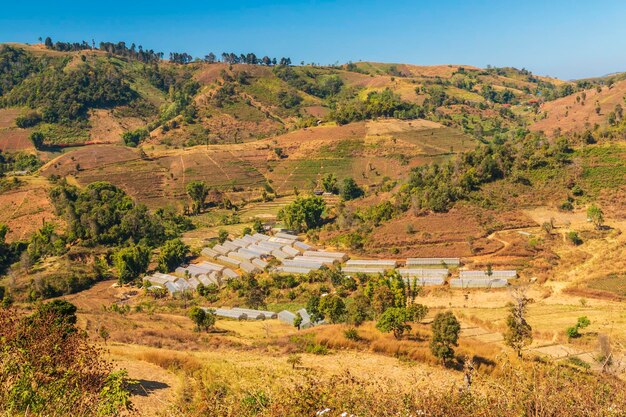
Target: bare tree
(519, 333)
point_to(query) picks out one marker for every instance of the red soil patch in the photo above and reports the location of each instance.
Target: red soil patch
(8, 116)
(15, 139)
(24, 210)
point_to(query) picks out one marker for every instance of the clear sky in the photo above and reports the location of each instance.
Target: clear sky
(566, 39)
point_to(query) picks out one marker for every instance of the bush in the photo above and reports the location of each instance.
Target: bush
(133, 138)
(352, 334)
(573, 238)
(28, 120)
(49, 368)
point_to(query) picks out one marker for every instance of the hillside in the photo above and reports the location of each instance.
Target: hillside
(581, 111)
(122, 174)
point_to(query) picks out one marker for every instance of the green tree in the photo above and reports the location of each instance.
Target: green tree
(133, 138)
(173, 253)
(446, 329)
(303, 214)
(394, 320)
(351, 189)
(203, 319)
(222, 236)
(63, 313)
(358, 310)
(37, 138)
(519, 333)
(257, 226)
(297, 321)
(131, 262)
(382, 299)
(417, 312)
(313, 308)
(246, 231)
(596, 215)
(333, 307)
(197, 191)
(329, 183)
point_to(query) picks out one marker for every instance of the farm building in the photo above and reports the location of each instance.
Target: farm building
(249, 267)
(238, 256)
(288, 236)
(280, 255)
(364, 270)
(425, 281)
(256, 313)
(229, 261)
(290, 250)
(339, 256)
(226, 313)
(293, 269)
(301, 246)
(410, 262)
(229, 274)
(230, 246)
(303, 263)
(423, 272)
(485, 274)
(286, 317)
(260, 237)
(373, 263)
(221, 249)
(324, 261)
(210, 253)
(478, 283)
(259, 262)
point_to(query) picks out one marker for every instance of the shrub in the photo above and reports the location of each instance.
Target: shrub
(28, 120)
(573, 237)
(352, 334)
(49, 368)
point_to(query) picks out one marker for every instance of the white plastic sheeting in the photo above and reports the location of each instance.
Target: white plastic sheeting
(433, 261)
(323, 254)
(423, 272)
(210, 253)
(293, 269)
(485, 275)
(478, 283)
(387, 263)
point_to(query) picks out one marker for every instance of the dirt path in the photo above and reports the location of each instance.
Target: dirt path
(157, 388)
(19, 206)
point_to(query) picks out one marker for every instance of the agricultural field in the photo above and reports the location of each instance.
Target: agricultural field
(25, 209)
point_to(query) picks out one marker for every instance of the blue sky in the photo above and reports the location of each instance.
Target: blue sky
(567, 39)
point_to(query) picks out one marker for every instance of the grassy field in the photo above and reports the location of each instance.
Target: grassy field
(613, 283)
(604, 166)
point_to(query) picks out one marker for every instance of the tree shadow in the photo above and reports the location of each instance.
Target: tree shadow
(145, 387)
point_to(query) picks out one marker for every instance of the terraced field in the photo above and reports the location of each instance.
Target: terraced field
(368, 152)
